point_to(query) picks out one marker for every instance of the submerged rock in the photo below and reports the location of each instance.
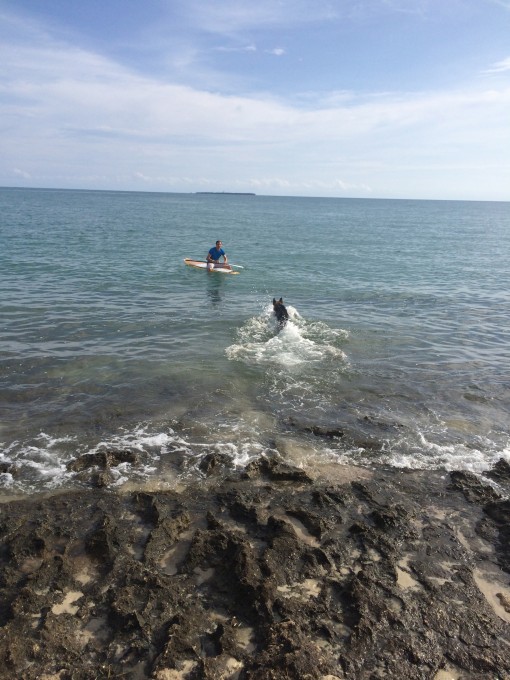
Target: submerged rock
(103, 460)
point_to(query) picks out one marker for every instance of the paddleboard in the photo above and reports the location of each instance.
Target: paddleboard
(201, 264)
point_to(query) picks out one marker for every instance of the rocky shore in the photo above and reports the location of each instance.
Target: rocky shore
(263, 574)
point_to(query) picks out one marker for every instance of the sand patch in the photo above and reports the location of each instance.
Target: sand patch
(447, 674)
(404, 578)
(244, 638)
(496, 594)
(67, 605)
(395, 605)
(303, 591)
(85, 570)
(173, 557)
(300, 530)
(373, 556)
(96, 629)
(173, 674)
(203, 575)
(31, 564)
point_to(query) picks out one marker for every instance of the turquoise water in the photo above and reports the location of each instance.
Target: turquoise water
(399, 335)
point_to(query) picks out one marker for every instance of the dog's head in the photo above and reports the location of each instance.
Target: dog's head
(280, 311)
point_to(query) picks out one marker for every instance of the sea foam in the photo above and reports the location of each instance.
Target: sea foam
(260, 341)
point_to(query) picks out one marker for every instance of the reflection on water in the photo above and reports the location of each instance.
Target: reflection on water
(215, 288)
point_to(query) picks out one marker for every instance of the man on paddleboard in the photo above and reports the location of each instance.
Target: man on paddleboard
(213, 256)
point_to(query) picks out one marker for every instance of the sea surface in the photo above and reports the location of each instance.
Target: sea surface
(397, 351)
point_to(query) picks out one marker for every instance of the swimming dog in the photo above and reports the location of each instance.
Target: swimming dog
(280, 311)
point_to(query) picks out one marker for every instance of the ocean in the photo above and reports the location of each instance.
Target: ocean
(396, 353)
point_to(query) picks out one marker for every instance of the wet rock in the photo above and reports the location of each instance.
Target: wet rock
(102, 479)
(328, 433)
(315, 524)
(500, 471)
(381, 424)
(472, 487)
(499, 515)
(317, 430)
(242, 506)
(265, 575)
(166, 533)
(275, 470)
(103, 460)
(9, 469)
(213, 462)
(103, 542)
(332, 498)
(289, 653)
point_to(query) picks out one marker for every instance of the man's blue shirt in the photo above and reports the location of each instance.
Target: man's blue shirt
(216, 254)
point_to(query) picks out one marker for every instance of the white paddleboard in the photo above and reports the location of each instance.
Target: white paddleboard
(201, 264)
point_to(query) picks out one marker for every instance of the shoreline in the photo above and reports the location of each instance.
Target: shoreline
(267, 573)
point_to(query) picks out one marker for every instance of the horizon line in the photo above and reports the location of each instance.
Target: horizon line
(251, 194)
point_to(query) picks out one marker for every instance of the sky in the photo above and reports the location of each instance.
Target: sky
(340, 98)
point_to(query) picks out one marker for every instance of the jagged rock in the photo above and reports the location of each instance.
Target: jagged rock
(500, 471)
(211, 462)
(103, 460)
(266, 575)
(275, 470)
(472, 488)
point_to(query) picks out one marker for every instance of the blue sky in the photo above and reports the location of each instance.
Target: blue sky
(361, 98)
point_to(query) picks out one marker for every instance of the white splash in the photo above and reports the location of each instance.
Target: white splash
(262, 342)
(428, 455)
(43, 461)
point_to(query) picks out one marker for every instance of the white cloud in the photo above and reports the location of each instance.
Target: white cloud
(230, 17)
(500, 66)
(502, 3)
(246, 48)
(233, 16)
(21, 173)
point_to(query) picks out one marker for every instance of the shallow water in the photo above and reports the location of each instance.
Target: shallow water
(399, 333)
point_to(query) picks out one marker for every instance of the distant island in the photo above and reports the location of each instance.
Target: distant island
(227, 193)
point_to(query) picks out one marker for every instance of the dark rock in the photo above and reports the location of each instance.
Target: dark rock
(472, 488)
(289, 653)
(212, 462)
(9, 469)
(314, 523)
(259, 577)
(103, 460)
(328, 433)
(242, 507)
(499, 514)
(500, 471)
(275, 470)
(103, 542)
(317, 430)
(102, 479)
